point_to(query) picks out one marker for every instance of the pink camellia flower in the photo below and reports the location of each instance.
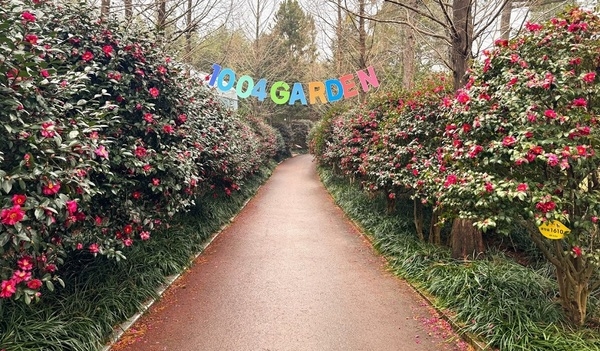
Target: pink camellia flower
(167, 128)
(25, 263)
(182, 118)
(87, 56)
(28, 17)
(148, 117)
(12, 216)
(47, 130)
(145, 235)
(155, 181)
(509, 141)
(128, 242)
(101, 152)
(462, 97)
(44, 73)
(450, 179)
(576, 251)
(580, 102)
(522, 187)
(21, 276)
(589, 77)
(154, 92)
(594, 219)
(94, 248)
(550, 113)
(51, 188)
(71, 206)
(136, 195)
(8, 288)
(107, 50)
(147, 168)
(34, 284)
(19, 200)
(489, 187)
(161, 70)
(552, 159)
(31, 39)
(533, 27)
(140, 152)
(581, 150)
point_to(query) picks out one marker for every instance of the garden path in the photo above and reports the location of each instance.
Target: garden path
(290, 273)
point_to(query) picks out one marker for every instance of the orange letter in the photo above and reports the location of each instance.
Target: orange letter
(316, 90)
(348, 85)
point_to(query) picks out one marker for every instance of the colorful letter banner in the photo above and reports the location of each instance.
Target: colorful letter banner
(281, 92)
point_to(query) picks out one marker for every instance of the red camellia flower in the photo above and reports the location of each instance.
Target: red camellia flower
(148, 117)
(94, 248)
(533, 27)
(51, 188)
(128, 229)
(12, 216)
(7, 288)
(87, 56)
(140, 152)
(31, 39)
(546, 206)
(145, 235)
(155, 181)
(580, 102)
(21, 276)
(462, 97)
(168, 128)
(509, 141)
(136, 195)
(28, 17)
(450, 179)
(550, 114)
(48, 129)
(107, 50)
(19, 199)
(589, 77)
(44, 73)
(522, 187)
(576, 251)
(34, 284)
(154, 92)
(489, 187)
(71, 206)
(25, 263)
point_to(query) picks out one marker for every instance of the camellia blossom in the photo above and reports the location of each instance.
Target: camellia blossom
(148, 117)
(51, 188)
(154, 92)
(12, 216)
(167, 128)
(101, 152)
(21, 276)
(462, 97)
(576, 251)
(550, 113)
(450, 179)
(140, 152)
(489, 187)
(25, 263)
(94, 248)
(580, 102)
(509, 141)
(34, 284)
(155, 181)
(44, 73)
(19, 199)
(522, 187)
(145, 235)
(8, 288)
(589, 77)
(545, 206)
(71, 206)
(87, 56)
(552, 159)
(107, 50)
(28, 16)
(48, 129)
(31, 39)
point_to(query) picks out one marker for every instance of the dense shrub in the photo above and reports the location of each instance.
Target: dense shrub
(103, 138)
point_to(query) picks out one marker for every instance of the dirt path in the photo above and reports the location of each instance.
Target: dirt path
(291, 273)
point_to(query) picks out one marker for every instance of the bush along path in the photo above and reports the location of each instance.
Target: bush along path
(290, 273)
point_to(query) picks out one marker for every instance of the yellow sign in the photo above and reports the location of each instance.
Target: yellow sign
(554, 230)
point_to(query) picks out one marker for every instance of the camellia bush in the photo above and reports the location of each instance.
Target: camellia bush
(522, 139)
(103, 139)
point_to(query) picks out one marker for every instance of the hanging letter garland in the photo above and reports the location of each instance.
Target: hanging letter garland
(281, 92)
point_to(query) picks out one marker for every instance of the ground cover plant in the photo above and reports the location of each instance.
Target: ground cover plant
(104, 139)
(101, 292)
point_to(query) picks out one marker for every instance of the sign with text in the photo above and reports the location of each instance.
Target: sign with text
(280, 92)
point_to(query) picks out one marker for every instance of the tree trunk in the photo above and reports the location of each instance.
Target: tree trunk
(339, 39)
(128, 10)
(188, 34)
(505, 20)
(418, 216)
(362, 36)
(408, 53)
(435, 231)
(462, 40)
(161, 15)
(466, 240)
(105, 8)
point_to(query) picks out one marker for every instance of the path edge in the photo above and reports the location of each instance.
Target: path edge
(122, 328)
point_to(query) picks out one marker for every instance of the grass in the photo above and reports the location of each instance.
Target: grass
(508, 305)
(102, 293)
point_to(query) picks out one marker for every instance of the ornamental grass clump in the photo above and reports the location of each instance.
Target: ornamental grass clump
(521, 147)
(104, 138)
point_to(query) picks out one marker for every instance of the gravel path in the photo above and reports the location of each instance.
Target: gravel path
(290, 273)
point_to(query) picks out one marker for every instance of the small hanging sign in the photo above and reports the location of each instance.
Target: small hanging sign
(554, 230)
